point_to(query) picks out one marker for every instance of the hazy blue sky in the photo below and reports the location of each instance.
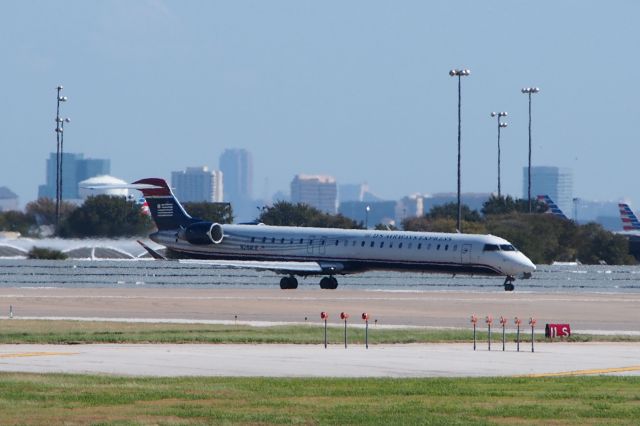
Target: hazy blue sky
(355, 89)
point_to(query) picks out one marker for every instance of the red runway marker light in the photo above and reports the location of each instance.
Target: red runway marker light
(503, 321)
(489, 319)
(324, 315)
(365, 317)
(344, 316)
(517, 321)
(474, 319)
(532, 323)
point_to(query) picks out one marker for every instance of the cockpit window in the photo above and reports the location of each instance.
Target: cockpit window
(507, 247)
(491, 247)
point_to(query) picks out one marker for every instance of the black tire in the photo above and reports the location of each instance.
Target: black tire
(509, 287)
(334, 283)
(325, 283)
(293, 283)
(284, 283)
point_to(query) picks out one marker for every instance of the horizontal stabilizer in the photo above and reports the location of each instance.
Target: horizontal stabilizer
(138, 186)
(152, 252)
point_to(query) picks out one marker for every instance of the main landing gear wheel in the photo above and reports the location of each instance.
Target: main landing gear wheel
(288, 283)
(508, 284)
(328, 283)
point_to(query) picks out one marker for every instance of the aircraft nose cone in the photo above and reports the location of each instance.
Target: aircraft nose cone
(527, 265)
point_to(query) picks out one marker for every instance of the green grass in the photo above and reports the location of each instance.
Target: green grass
(70, 332)
(76, 399)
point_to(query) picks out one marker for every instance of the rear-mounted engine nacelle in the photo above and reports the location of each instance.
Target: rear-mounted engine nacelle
(203, 233)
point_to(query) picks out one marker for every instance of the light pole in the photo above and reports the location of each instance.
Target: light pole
(500, 126)
(59, 127)
(62, 121)
(366, 217)
(459, 74)
(529, 91)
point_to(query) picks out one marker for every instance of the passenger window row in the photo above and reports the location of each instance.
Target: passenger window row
(445, 247)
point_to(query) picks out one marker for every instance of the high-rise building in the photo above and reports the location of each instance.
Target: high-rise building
(356, 192)
(8, 199)
(198, 184)
(237, 167)
(75, 168)
(555, 182)
(318, 191)
(410, 206)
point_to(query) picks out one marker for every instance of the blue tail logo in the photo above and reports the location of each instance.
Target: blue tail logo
(165, 209)
(629, 220)
(553, 207)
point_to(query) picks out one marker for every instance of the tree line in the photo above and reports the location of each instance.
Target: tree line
(100, 216)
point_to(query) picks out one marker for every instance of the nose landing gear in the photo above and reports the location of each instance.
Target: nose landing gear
(508, 283)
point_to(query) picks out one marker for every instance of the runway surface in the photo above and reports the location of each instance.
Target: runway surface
(420, 360)
(586, 312)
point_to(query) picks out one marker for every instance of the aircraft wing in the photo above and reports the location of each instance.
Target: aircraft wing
(282, 267)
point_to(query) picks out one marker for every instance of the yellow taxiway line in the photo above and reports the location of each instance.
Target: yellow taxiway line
(585, 372)
(27, 354)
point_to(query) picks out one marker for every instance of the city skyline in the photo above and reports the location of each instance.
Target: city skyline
(304, 91)
(197, 183)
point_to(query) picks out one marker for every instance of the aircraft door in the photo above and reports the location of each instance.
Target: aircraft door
(310, 246)
(465, 253)
(323, 246)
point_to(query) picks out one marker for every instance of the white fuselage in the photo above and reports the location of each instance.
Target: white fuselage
(346, 251)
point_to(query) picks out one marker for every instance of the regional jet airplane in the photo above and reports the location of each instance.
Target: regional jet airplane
(297, 251)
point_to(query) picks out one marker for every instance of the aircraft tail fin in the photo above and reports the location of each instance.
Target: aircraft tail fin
(629, 220)
(553, 207)
(166, 210)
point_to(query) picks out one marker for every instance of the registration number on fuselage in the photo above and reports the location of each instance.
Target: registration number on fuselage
(249, 247)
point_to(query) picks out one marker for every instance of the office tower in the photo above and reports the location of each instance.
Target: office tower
(410, 206)
(555, 182)
(236, 166)
(8, 199)
(316, 190)
(75, 168)
(197, 184)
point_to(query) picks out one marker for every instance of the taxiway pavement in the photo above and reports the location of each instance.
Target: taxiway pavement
(586, 312)
(415, 360)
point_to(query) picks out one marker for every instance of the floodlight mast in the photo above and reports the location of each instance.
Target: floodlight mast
(500, 126)
(59, 130)
(529, 91)
(459, 73)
